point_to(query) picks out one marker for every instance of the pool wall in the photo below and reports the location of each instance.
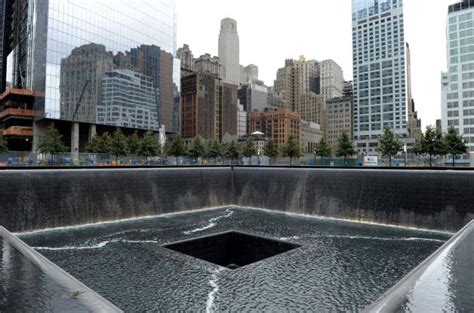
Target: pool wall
(438, 200)
(38, 199)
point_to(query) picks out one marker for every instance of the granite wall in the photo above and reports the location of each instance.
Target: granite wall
(38, 199)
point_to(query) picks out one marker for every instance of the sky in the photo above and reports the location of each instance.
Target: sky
(271, 31)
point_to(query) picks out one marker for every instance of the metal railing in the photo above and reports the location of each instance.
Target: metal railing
(23, 159)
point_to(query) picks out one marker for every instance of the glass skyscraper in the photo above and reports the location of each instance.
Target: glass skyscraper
(74, 54)
(379, 67)
(458, 82)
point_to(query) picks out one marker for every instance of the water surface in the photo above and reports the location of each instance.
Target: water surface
(341, 266)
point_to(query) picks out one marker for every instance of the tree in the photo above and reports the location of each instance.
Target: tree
(431, 143)
(214, 149)
(99, 144)
(271, 150)
(3, 145)
(176, 148)
(291, 149)
(454, 144)
(322, 149)
(134, 143)
(249, 148)
(119, 144)
(390, 145)
(149, 146)
(52, 142)
(345, 147)
(196, 149)
(232, 151)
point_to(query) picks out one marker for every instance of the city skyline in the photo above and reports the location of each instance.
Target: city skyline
(304, 34)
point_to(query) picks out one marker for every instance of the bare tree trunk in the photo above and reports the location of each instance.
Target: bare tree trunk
(454, 160)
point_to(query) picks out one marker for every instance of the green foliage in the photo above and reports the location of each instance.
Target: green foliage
(323, 149)
(432, 143)
(291, 149)
(232, 151)
(52, 142)
(176, 147)
(390, 145)
(454, 144)
(149, 145)
(345, 146)
(214, 149)
(134, 143)
(249, 149)
(271, 150)
(119, 144)
(3, 145)
(99, 144)
(196, 148)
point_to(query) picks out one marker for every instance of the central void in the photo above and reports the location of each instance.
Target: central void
(232, 249)
(338, 266)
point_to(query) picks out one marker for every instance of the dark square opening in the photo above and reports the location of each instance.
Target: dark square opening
(232, 249)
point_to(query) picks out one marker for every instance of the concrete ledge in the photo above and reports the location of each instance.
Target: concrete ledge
(443, 282)
(90, 299)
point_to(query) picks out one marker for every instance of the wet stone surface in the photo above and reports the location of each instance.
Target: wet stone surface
(25, 288)
(340, 266)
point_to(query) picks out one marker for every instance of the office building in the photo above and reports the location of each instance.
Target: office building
(339, 119)
(208, 107)
(229, 51)
(254, 96)
(379, 67)
(311, 135)
(296, 78)
(274, 101)
(62, 59)
(185, 55)
(206, 63)
(332, 79)
(250, 74)
(241, 121)
(458, 82)
(312, 108)
(277, 125)
(414, 122)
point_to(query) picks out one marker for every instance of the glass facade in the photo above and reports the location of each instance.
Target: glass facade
(85, 53)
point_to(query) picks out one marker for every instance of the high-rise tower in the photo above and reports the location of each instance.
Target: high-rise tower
(458, 82)
(229, 50)
(379, 66)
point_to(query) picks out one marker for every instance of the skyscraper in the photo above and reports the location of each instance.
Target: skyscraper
(379, 67)
(332, 79)
(298, 83)
(414, 123)
(229, 51)
(208, 107)
(458, 82)
(61, 60)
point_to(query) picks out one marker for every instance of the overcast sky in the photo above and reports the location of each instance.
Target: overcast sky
(273, 30)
